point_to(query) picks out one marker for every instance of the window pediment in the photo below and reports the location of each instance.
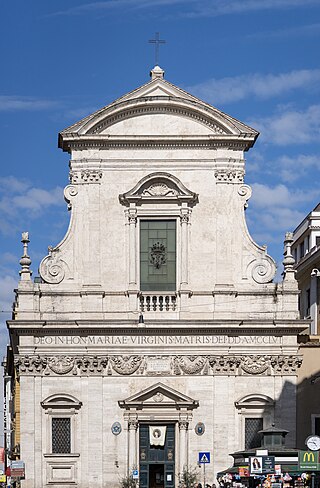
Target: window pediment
(255, 401)
(61, 401)
(156, 187)
(159, 396)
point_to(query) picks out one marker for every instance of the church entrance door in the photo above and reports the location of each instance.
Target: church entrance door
(157, 463)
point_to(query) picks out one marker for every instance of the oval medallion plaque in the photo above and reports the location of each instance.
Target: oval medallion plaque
(200, 428)
(116, 428)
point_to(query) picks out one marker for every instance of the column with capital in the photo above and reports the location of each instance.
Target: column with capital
(132, 221)
(183, 444)
(132, 443)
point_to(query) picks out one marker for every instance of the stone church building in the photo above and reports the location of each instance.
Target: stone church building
(154, 331)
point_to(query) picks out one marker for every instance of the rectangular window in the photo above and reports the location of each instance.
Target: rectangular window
(316, 426)
(308, 302)
(158, 255)
(301, 249)
(61, 435)
(317, 241)
(252, 438)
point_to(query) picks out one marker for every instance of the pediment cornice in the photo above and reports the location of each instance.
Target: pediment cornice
(159, 394)
(172, 101)
(158, 186)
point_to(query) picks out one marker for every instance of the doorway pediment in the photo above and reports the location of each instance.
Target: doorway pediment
(159, 395)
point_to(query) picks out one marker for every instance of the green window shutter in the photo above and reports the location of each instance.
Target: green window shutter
(158, 255)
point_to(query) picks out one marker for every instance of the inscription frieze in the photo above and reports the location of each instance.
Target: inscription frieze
(156, 340)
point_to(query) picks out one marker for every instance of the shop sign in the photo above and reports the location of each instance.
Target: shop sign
(3, 478)
(17, 469)
(309, 460)
(261, 465)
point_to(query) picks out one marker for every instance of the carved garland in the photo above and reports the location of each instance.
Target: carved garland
(180, 365)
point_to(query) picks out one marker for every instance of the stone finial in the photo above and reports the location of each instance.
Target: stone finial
(25, 260)
(157, 72)
(288, 260)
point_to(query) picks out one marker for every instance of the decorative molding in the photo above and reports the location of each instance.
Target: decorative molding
(255, 364)
(262, 270)
(245, 192)
(285, 364)
(189, 364)
(61, 364)
(126, 365)
(163, 109)
(133, 424)
(231, 142)
(235, 365)
(159, 189)
(85, 176)
(52, 269)
(229, 176)
(156, 187)
(183, 424)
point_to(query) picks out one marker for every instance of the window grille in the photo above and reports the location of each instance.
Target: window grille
(252, 436)
(61, 435)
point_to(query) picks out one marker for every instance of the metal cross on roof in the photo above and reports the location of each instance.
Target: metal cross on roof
(157, 41)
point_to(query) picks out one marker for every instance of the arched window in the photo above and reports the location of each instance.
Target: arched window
(61, 423)
(256, 412)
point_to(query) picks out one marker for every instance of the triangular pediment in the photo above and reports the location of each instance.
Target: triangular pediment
(159, 396)
(157, 109)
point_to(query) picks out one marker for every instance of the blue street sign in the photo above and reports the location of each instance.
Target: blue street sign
(204, 458)
(135, 474)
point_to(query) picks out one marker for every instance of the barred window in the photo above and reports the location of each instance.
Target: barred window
(252, 436)
(61, 435)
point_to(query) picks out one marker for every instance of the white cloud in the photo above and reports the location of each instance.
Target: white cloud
(17, 103)
(8, 284)
(291, 126)
(190, 8)
(263, 86)
(300, 30)
(276, 210)
(18, 197)
(35, 199)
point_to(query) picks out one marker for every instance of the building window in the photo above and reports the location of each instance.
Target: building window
(252, 435)
(61, 435)
(316, 425)
(295, 254)
(317, 241)
(301, 249)
(308, 302)
(158, 255)
(61, 424)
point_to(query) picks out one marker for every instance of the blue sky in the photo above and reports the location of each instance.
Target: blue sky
(257, 60)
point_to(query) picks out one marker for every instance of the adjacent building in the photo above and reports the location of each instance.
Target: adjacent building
(154, 331)
(306, 251)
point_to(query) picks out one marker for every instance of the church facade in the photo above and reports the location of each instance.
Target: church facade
(155, 331)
